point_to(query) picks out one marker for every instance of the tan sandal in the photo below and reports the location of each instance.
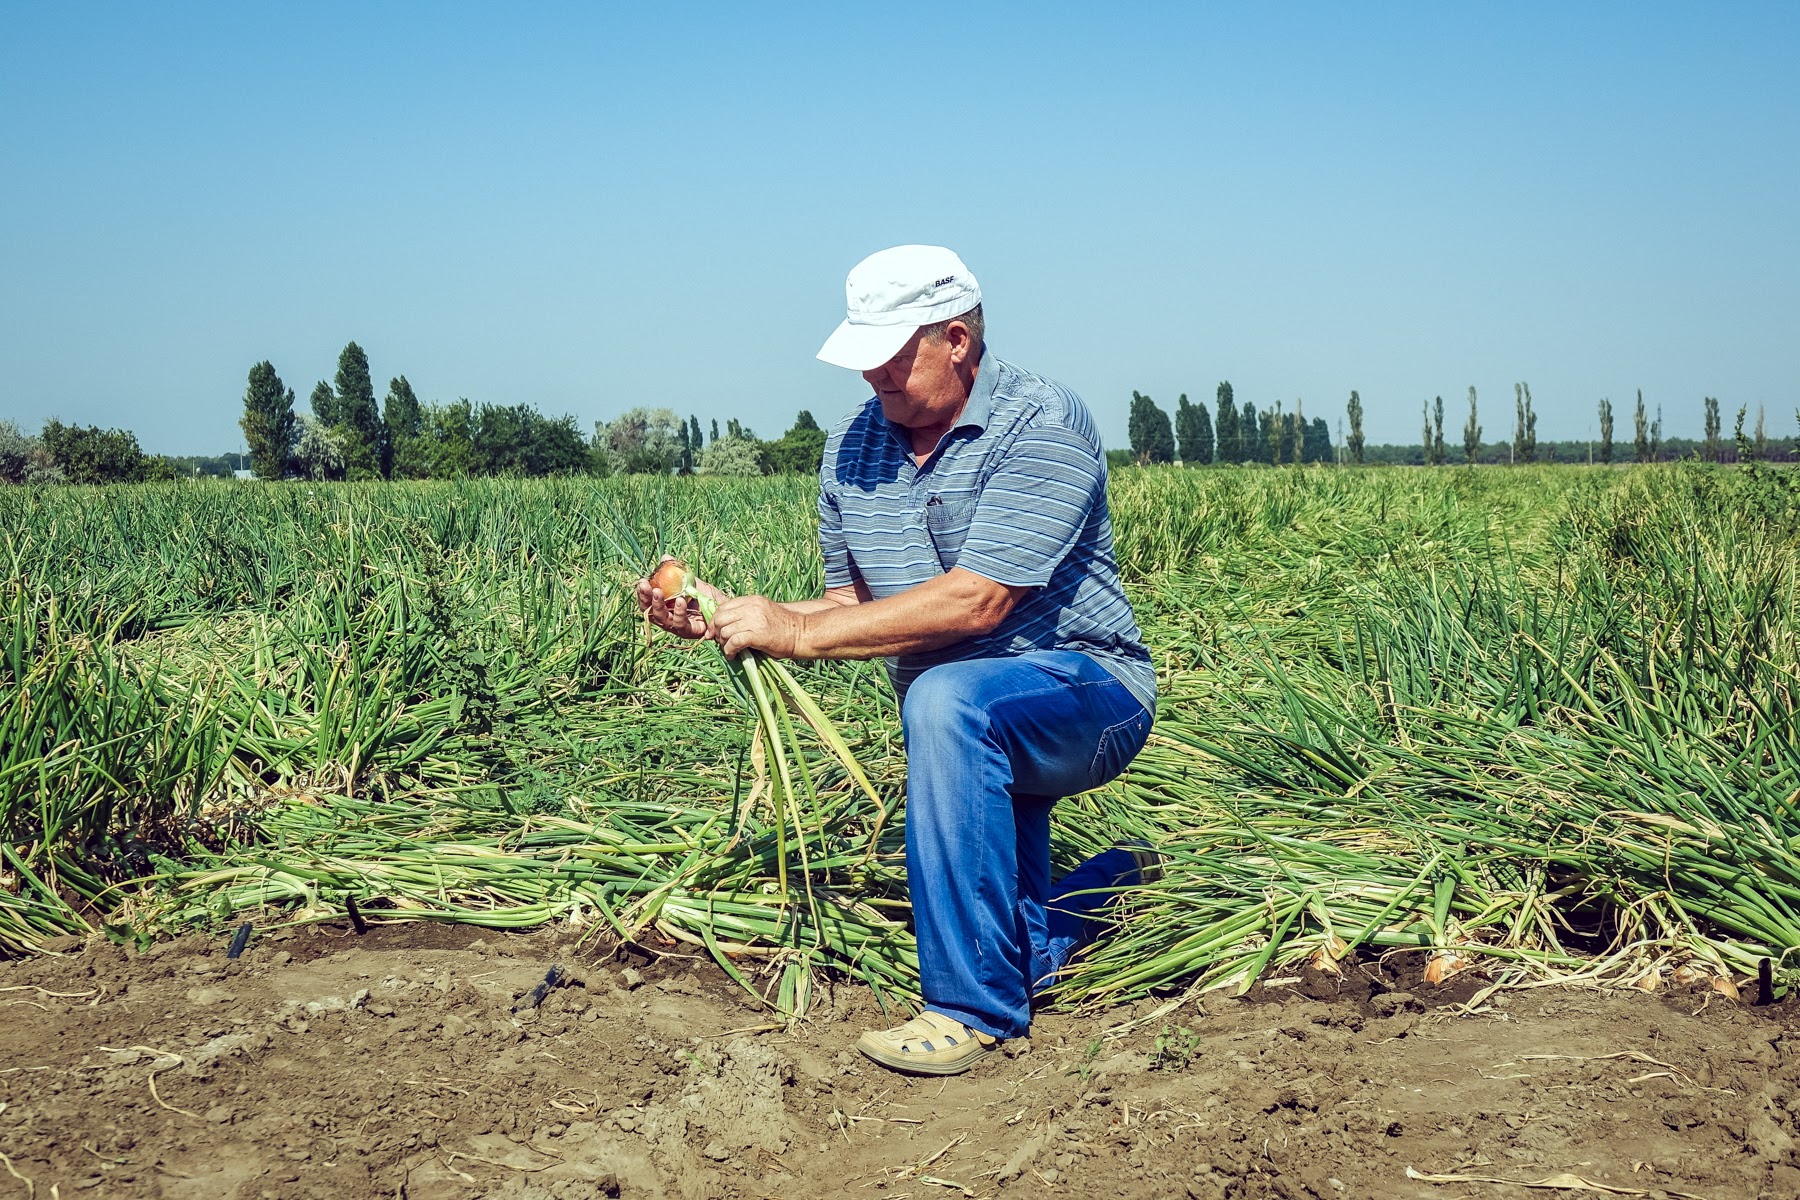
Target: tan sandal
(929, 1044)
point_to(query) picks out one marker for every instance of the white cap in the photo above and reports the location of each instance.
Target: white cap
(892, 294)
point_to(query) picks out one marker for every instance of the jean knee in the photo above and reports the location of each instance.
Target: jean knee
(939, 705)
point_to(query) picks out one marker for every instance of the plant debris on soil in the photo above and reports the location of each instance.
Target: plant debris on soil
(410, 1063)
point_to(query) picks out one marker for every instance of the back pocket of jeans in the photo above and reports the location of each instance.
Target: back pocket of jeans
(1119, 744)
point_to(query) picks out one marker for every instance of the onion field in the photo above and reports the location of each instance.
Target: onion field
(1536, 723)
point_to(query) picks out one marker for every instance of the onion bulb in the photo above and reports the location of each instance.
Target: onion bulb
(671, 578)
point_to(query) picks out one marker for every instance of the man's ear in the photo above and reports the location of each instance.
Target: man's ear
(962, 341)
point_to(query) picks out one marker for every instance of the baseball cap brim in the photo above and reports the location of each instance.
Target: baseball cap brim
(864, 347)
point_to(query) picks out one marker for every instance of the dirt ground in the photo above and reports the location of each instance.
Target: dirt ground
(402, 1064)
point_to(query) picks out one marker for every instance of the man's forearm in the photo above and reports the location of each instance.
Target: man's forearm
(935, 614)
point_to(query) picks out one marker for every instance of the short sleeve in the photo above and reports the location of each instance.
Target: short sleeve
(1034, 508)
(832, 545)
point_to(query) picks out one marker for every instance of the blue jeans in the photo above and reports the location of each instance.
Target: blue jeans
(991, 744)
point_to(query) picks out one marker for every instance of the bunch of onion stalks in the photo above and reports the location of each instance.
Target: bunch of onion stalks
(775, 698)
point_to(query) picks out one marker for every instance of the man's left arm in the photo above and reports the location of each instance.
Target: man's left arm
(1032, 512)
(955, 605)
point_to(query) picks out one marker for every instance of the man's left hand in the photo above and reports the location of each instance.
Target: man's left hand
(756, 623)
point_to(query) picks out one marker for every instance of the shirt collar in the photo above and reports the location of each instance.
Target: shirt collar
(980, 404)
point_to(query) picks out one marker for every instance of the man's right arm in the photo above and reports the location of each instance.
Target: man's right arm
(838, 597)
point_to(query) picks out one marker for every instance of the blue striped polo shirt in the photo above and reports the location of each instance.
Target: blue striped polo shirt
(1016, 492)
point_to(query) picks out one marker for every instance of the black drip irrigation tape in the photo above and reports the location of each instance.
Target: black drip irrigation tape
(239, 940)
(535, 997)
(356, 917)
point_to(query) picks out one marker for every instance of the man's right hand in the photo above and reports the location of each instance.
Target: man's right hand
(678, 615)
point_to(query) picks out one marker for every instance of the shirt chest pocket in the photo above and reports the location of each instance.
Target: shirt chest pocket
(948, 524)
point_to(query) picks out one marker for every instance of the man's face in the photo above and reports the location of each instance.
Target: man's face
(918, 387)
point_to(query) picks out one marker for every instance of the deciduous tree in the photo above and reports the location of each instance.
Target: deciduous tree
(1228, 433)
(1152, 438)
(402, 420)
(1355, 440)
(1194, 431)
(1471, 432)
(269, 424)
(358, 415)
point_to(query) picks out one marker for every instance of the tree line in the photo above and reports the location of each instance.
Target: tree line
(1233, 434)
(347, 436)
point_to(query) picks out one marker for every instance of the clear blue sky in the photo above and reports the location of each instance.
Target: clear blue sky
(596, 206)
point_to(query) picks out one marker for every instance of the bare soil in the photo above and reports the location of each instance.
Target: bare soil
(402, 1064)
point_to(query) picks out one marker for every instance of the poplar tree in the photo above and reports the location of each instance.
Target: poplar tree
(1642, 430)
(1524, 447)
(694, 434)
(1761, 444)
(1194, 432)
(324, 404)
(1318, 441)
(1228, 432)
(1530, 427)
(1712, 429)
(402, 419)
(358, 416)
(1425, 455)
(1472, 432)
(1355, 410)
(1250, 439)
(1152, 438)
(1606, 430)
(1438, 456)
(268, 422)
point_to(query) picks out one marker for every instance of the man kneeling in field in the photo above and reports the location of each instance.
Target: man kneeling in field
(964, 526)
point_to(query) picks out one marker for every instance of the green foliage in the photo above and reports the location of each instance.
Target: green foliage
(1194, 430)
(1641, 437)
(1472, 431)
(1355, 440)
(93, 455)
(1317, 446)
(1228, 431)
(518, 440)
(642, 441)
(1152, 437)
(1606, 430)
(403, 419)
(269, 423)
(1524, 444)
(1176, 1046)
(799, 451)
(1712, 429)
(24, 459)
(357, 415)
(733, 455)
(318, 450)
(1435, 441)
(325, 407)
